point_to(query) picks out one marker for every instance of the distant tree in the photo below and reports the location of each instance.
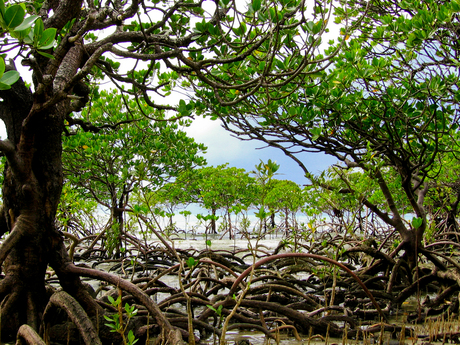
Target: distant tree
(285, 196)
(443, 197)
(215, 188)
(264, 174)
(334, 194)
(129, 152)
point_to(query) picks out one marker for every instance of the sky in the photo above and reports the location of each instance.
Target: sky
(223, 148)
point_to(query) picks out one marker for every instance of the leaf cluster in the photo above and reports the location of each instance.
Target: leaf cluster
(128, 151)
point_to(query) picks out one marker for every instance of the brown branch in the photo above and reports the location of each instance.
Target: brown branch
(63, 13)
(27, 336)
(89, 127)
(85, 70)
(76, 313)
(313, 256)
(173, 335)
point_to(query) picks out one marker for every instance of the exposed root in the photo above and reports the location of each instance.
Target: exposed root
(76, 313)
(173, 336)
(288, 291)
(27, 336)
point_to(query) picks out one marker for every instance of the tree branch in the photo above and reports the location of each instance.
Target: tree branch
(172, 333)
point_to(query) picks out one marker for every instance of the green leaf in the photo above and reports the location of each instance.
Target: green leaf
(131, 338)
(2, 67)
(211, 307)
(14, 15)
(2, 8)
(20, 35)
(49, 56)
(243, 28)
(273, 15)
(182, 106)
(29, 38)
(47, 39)
(27, 23)
(38, 31)
(256, 5)
(417, 222)
(4, 86)
(191, 262)
(316, 132)
(10, 77)
(108, 318)
(118, 301)
(111, 300)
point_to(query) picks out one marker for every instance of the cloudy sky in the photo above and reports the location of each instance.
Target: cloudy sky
(223, 148)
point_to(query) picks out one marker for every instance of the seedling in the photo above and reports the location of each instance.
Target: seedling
(116, 320)
(218, 311)
(191, 262)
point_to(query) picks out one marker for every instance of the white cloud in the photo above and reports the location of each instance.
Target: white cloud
(223, 148)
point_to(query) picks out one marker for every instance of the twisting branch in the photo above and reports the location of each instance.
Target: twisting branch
(76, 313)
(313, 256)
(89, 127)
(173, 334)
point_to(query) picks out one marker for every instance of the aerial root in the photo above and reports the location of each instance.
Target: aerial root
(27, 335)
(173, 335)
(284, 291)
(76, 313)
(294, 330)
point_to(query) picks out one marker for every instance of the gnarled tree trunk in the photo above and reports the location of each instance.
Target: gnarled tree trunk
(31, 192)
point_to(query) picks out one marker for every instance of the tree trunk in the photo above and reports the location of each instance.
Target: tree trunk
(412, 245)
(286, 221)
(115, 234)
(230, 228)
(272, 220)
(213, 222)
(31, 191)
